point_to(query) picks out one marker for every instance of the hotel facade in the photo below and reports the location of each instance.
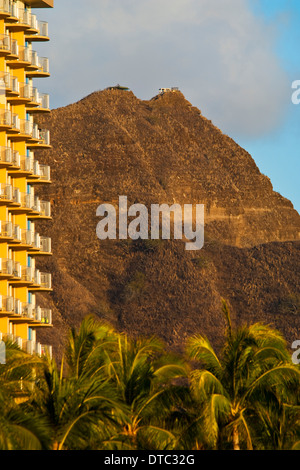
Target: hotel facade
(21, 173)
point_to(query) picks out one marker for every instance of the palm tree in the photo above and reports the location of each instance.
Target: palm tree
(253, 365)
(19, 430)
(144, 376)
(77, 400)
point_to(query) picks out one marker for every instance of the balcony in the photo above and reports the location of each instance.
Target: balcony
(5, 45)
(33, 347)
(10, 232)
(44, 140)
(16, 197)
(38, 30)
(4, 8)
(6, 268)
(21, 94)
(23, 129)
(10, 158)
(20, 19)
(8, 337)
(39, 66)
(45, 173)
(42, 281)
(26, 128)
(21, 57)
(17, 270)
(22, 202)
(28, 274)
(43, 315)
(5, 119)
(21, 165)
(6, 193)
(7, 305)
(6, 157)
(28, 311)
(40, 174)
(45, 210)
(28, 202)
(14, 50)
(45, 246)
(27, 237)
(6, 230)
(40, 103)
(28, 346)
(10, 83)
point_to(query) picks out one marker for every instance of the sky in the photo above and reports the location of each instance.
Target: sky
(235, 60)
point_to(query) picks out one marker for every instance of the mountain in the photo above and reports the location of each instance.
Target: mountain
(163, 151)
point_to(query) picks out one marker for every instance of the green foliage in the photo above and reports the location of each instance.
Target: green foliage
(118, 393)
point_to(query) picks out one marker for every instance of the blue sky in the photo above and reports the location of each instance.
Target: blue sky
(233, 59)
(278, 153)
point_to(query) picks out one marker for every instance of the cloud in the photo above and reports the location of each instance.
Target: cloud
(217, 51)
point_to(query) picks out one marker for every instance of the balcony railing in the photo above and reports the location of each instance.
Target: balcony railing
(6, 155)
(26, 127)
(28, 311)
(44, 64)
(43, 28)
(38, 30)
(43, 315)
(16, 158)
(42, 99)
(45, 208)
(25, 91)
(18, 307)
(6, 192)
(10, 230)
(17, 270)
(27, 237)
(6, 267)
(7, 304)
(17, 233)
(28, 274)
(9, 156)
(44, 136)
(24, 16)
(5, 118)
(42, 171)
(6, 229)
(29, 346)
(24, 54)
(44, 280)
(27, 164)
(35, 131)
(27, 201)
(5, 43)
(14, 48)
(5, 6)
(33, 347)
(13, 339)
(45, 172)
(17, 196)
(16, 122)
(11, 83)
(45, 244)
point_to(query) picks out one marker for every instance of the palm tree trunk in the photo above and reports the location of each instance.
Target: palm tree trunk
(235, 438)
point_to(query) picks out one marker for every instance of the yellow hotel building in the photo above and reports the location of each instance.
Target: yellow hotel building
(21, 173)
